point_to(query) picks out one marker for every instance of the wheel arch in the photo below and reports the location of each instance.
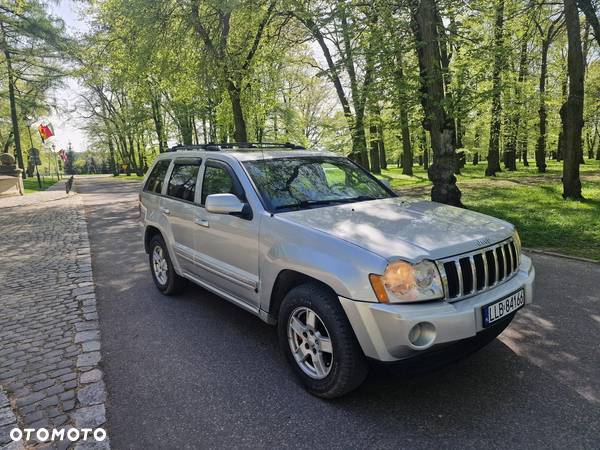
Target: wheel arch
(149, 234)
(287, 280)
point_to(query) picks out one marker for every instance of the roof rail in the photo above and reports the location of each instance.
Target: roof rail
(211, 146)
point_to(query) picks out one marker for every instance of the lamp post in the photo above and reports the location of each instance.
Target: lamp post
(54, 156)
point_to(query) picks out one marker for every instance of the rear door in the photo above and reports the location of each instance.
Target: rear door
(227, 245)
(178, 205)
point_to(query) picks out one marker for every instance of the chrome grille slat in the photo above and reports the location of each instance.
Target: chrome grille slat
(460, 280)
(473, 273)
(486, 282)
(496, 271)
(504, 261)
(461, 285)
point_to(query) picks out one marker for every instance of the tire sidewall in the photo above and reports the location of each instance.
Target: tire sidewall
(326, 308)
(168, 287)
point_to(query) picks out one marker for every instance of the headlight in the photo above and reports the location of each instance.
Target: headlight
(406, 282)
(517, 241)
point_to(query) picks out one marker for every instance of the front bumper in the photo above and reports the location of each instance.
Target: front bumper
(383, 329)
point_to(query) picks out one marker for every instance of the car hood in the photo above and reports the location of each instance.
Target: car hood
(399, 228)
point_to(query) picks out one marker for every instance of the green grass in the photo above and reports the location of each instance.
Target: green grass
(31, 184)
(532, 201)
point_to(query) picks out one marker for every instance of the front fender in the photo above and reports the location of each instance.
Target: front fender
(343, 266)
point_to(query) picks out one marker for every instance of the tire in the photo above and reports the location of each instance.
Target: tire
(342, 370)
(166, 280)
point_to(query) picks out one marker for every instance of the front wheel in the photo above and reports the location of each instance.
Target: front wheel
(318, 341)
(163, 273)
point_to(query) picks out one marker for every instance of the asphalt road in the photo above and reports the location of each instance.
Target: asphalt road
(196, 371)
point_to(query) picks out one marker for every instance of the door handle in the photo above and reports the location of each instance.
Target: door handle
(165, 211)
(201, 222)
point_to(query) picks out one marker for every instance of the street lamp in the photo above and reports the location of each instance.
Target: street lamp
(55, 156)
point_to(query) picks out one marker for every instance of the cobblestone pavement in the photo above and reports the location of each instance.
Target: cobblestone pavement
(49, 334)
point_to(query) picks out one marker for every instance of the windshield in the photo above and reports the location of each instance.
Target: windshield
(306, 182)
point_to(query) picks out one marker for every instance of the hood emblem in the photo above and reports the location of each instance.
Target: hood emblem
(483, 242)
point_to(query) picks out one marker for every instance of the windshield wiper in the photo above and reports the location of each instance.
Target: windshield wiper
(309, 203)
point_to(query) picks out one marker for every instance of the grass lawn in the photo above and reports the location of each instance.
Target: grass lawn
(530, 200)
(31, 184)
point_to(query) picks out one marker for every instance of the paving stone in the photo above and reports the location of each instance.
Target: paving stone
(84, 336)
(92, 394)
(42, 385)
(88, 359)
(90, 376)
(67, 395)
(35, 397)
(91, 346)
(68, 405)
(87, 325)
(89, 416)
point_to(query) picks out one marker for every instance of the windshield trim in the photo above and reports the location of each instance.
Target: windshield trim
(266, 202)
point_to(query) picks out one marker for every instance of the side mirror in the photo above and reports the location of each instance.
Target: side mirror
(224, 204)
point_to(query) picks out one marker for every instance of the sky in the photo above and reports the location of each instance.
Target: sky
(66, 127)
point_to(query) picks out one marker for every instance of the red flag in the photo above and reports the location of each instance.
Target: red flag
(63, 155)
(46, 131)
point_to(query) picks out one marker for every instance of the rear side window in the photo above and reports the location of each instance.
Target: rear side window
(183, 181)
(216, 181)
(157, 177)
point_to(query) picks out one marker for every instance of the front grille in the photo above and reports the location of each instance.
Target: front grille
(474, 272)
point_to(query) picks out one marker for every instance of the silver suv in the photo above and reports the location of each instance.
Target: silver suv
(347, 270)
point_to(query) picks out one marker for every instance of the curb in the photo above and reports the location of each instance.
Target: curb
(561, 255)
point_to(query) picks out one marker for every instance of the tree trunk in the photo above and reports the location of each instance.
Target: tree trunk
(587, 8)
(158, 125)
(510, 150)
(111, 152)
(381, 144)
(359, 140)
(437, 121)
(407, 153)
(374, 151)
(572, 110)
(424, 149)
(493, 162)
(540, 150)
(240, 133)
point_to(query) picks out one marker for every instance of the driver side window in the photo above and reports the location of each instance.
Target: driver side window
(216, 181)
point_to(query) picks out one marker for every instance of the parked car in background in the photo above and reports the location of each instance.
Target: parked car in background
(346, 269)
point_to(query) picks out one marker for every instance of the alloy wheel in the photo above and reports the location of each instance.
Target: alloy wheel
(310, 342)
(159, 265)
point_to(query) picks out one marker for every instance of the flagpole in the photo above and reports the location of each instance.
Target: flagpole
(37, 172)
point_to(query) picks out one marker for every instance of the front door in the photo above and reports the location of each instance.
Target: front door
(179, 208)
(227, 245)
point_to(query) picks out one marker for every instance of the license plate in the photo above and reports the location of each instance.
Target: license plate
(502, 308)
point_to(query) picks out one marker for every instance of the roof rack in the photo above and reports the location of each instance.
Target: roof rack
(215, 147)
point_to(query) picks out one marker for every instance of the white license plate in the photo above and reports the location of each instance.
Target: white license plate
(502, 308)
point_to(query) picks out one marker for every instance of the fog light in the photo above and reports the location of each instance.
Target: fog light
(422, 335)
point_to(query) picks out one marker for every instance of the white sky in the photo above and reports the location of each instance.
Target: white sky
(67, 128)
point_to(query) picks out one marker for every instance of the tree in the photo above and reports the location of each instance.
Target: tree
(547, 35)
(493, 162)
(29, 40)
(591, 15)
(339, 23)
(232, 54)
(572, 110)
(437, 121)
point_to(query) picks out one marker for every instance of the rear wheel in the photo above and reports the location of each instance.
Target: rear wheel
(318, 341)
(165, 278)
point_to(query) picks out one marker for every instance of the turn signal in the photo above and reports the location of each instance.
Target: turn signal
(378, 287)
